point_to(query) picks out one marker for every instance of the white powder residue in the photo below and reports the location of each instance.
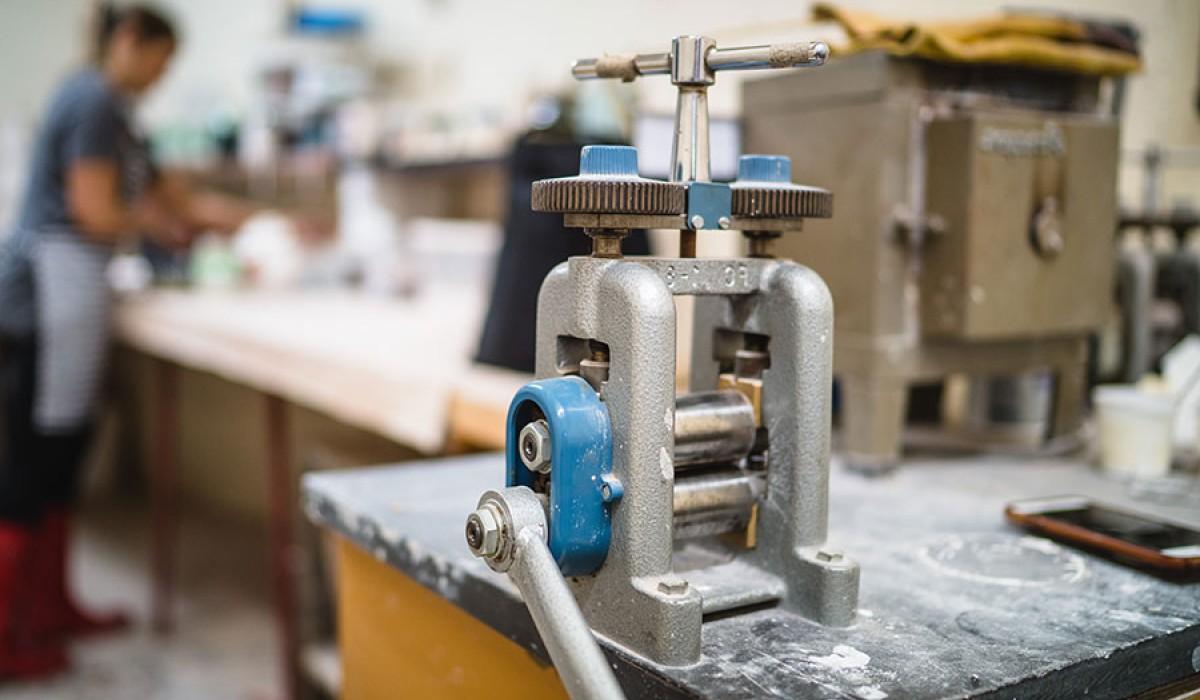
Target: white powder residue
(842, 658)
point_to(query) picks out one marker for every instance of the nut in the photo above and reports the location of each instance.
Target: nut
(534, 446)
(483, 533)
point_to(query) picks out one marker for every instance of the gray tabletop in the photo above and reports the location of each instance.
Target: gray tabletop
(954, 602)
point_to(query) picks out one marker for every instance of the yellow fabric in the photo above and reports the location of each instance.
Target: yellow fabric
(1028, 40)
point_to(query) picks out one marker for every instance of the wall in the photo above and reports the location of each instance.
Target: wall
(461, 54)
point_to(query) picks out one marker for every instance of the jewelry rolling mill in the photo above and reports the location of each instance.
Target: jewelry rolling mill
(608, 472)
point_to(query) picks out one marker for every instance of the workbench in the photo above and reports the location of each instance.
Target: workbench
(400, 369)
(954, 602)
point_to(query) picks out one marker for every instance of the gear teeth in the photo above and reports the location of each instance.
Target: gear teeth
(570, 195)
(792, 201)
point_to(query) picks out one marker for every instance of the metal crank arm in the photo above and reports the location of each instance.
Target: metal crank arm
(508, 530)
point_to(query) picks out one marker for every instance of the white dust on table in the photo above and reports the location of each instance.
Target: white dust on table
(843, 657)
(843, 670)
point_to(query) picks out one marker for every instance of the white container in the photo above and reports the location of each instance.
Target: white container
(1135, 428)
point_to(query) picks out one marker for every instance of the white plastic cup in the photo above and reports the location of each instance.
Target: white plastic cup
(1135, 429)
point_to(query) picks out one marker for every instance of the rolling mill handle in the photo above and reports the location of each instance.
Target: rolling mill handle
(508, 531)
(628, 67)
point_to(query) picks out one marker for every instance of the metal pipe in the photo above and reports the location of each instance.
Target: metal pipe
(713, 427)
(769, 56)
(689, 152)
(625, 67)
(581, 665)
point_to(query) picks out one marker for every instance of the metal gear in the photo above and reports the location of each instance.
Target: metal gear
(604, 195)
(760, 200)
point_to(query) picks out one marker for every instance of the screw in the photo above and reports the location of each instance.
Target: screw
(697, 221)
(474, 532)
(675, 586)
(483, 533)
(724, 222)
(828, 555)
(535, 446)
(818, 54)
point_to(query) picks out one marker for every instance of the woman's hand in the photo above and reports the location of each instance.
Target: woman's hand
(312, 229)
(162, 225)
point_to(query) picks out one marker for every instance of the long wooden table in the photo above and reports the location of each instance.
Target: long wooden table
(401, 369)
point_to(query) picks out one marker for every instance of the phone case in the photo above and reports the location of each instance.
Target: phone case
(1026, 514)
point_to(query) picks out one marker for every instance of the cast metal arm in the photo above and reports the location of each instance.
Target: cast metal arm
(508, 530)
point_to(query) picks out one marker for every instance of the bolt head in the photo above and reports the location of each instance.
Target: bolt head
(673, 586)
(533, 444)
(818, 54)
(697, 221)
(829, 555)
(483, 533)
(724, 222)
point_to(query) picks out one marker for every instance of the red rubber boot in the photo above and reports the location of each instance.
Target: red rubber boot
(23, 655)
(56, 612)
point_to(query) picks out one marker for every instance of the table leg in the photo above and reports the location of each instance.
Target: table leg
(282, 539)
(162, 495)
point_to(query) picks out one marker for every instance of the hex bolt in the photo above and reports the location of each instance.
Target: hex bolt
(676, 586)
(829, 555)
(483, 532)
(697, 221)
(534, 442)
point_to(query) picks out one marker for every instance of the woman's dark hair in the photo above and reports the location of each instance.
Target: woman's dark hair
(148, 23)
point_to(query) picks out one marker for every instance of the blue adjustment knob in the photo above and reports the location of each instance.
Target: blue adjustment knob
(608, 161)
(765, 169)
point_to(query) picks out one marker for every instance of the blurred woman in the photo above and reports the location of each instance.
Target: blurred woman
(91, 183)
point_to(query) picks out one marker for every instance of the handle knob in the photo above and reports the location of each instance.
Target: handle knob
(608, 161)
(755, 168)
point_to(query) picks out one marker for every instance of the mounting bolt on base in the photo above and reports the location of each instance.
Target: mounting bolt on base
(829, 555)
(673, 586)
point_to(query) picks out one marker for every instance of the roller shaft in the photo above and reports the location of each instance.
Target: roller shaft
(713, 427)
(709, 502)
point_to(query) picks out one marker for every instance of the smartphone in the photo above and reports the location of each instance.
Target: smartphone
(1138, 538)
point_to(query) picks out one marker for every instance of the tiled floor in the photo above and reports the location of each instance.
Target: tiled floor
(224, 645)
